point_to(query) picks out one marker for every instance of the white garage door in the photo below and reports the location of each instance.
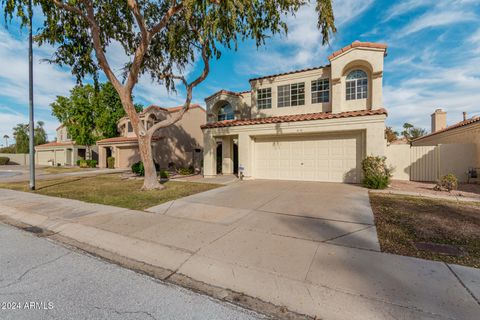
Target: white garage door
(334, 158)
(43, 156)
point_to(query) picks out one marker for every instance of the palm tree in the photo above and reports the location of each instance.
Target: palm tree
(6, 137)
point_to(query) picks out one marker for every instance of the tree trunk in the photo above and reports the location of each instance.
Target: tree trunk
(151, 181)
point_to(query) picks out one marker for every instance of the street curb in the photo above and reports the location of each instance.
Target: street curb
(55, 230)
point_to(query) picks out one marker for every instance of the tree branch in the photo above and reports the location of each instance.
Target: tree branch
(189, 87)
(170, 13)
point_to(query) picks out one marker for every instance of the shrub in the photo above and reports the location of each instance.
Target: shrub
(78, 162)
(4, 161)
(111, 162)
(83, 164)
(91, 163)
(164, 174)
(138, 168)
(448, 182)
(185, 171)
(376, 174)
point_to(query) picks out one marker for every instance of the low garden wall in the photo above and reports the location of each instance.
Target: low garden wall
(429, 163)
(16, 158)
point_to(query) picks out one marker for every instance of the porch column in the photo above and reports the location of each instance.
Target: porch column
(102, 157)
(245, 154)
(209, 154)
(227, 155)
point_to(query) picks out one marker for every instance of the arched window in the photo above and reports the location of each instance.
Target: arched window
(226, 113)
(357, 85)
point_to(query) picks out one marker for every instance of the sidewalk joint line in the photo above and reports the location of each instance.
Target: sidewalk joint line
(463, 284)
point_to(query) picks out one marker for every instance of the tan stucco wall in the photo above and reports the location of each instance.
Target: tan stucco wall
(461, 135)
(17, 158)
(433, 161)
(372, 128)
(62, 134)
(398, 157)
(177, 144)
(307, 77)
(63, 155)
(370, 60)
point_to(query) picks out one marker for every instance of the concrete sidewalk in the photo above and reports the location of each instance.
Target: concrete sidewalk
(313, 273)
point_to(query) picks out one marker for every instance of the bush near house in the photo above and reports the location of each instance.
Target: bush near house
(448, 182)
(164, 174)
(185, 171)
(376, 173)
(139, 169)
(87, 163)
(111, 162)
(4, 161)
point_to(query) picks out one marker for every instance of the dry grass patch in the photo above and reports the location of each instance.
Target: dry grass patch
(61, 169)
(402, 222)
(110, 189)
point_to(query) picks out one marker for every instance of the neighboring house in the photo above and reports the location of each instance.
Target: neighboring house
(63, 152)
(463, 132)
(314, 124)
(180, 144)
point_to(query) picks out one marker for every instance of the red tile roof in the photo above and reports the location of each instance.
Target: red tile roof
(172, 109)
(226, 92)
(294, 118)
(452, 127)
(54, 144)
(122, 139)
(358, 44)
(289, 72)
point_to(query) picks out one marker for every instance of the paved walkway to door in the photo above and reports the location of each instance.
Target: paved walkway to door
(311, 247)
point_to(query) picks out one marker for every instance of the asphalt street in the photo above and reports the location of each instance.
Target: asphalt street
(40, 279)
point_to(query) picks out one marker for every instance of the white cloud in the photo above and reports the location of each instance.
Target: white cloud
(455, 89)
(404, 7)
(49, 80)
(346, 11)
(302, 46)
(437, 19)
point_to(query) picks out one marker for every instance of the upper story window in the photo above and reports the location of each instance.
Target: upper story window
(130, 128)
(291, 95)
(320, 91)
(357, 85)
(264, 98)
(226, 113)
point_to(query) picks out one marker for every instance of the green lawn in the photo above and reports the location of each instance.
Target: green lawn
(110, 189)
(404, 222)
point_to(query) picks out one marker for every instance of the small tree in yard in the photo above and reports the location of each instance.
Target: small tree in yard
(411, 133)
(162, 37)
(90, 113)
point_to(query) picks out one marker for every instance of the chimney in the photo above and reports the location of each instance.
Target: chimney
(439, 120)
(464, 116)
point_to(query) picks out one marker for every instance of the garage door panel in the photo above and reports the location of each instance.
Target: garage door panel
(314, 158)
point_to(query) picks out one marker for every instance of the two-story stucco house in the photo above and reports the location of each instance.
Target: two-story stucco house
(180, 144)
(314, 124)
(64, 151)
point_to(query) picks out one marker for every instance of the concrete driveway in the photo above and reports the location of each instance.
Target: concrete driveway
(311, 247)
(323, 212)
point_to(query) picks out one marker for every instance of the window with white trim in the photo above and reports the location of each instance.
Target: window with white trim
(320, 91)
(291, 95)
(226, 113)
(264, 98)
(357, 85)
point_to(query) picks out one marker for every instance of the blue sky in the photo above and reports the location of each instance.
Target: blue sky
(433, 61)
